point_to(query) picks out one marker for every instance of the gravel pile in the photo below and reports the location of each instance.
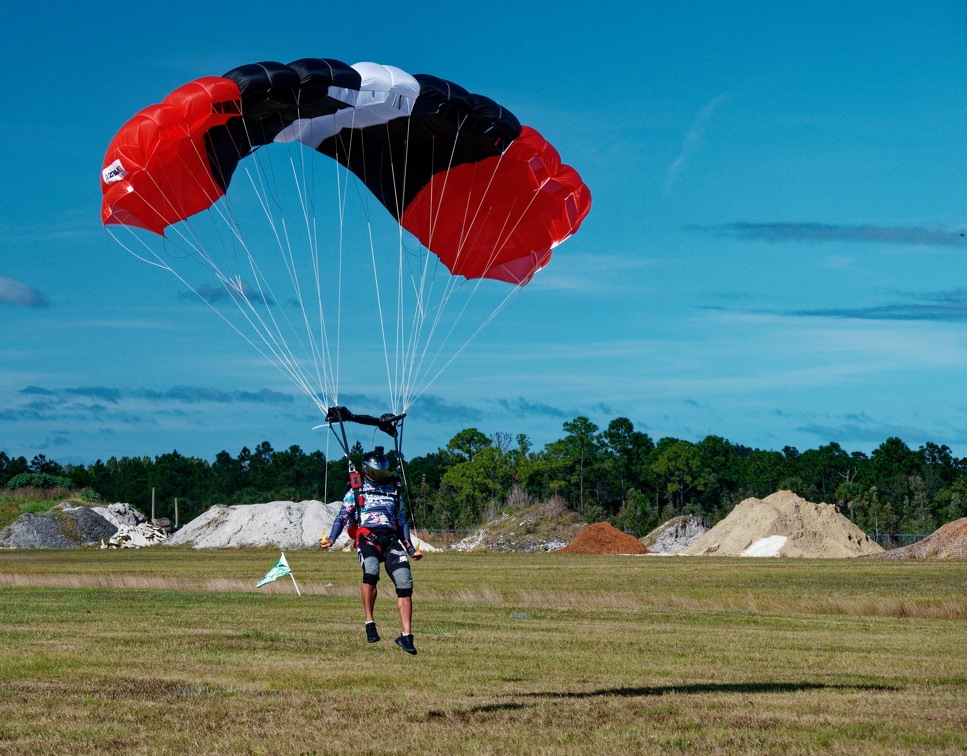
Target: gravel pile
(947, 542)
(64, 526)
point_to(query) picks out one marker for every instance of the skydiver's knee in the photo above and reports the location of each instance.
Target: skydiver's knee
(403, 580)
(370, 570)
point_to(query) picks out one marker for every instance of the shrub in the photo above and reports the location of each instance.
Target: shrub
(38, 480)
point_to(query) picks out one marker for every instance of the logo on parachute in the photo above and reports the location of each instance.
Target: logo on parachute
(114, 172)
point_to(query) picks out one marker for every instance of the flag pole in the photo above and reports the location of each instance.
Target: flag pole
(298, 592)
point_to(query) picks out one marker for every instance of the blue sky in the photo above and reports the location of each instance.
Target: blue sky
(775, 253)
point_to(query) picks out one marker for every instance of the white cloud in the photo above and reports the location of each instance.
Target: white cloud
(19, 294)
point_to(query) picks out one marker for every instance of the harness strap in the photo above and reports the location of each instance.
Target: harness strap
(356, 483)
(360, 534)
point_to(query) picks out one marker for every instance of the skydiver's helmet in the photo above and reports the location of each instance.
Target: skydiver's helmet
(376, 467)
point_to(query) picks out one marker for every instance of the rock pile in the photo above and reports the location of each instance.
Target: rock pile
(675, 534)
(603, 538)
(121, 515)
(947, 542)
(136, 537)
(783, 524)
(64, 526)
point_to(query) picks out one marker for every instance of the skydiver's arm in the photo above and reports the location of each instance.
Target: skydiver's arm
(341, 520)
(403, 528)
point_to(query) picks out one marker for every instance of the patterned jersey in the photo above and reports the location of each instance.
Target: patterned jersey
(382, 508)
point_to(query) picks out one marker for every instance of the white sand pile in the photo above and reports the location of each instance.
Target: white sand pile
(770, 546)
(809, 530)
(286, 524)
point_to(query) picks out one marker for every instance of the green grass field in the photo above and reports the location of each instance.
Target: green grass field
(173, 651)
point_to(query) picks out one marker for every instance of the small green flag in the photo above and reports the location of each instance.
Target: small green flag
(281, 569)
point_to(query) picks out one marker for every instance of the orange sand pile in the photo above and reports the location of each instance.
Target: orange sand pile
(603, 538)
(948, 542)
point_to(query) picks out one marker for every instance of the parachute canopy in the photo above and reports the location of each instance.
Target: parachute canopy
(489, 197)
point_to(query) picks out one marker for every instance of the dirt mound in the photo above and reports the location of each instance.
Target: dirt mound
(783, 524)
(547, 526)
(947, 542)
(675, 534)
(603, 538)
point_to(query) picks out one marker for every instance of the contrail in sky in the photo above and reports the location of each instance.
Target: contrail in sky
(693, 140)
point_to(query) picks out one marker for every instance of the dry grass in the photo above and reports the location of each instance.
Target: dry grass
(172, 651)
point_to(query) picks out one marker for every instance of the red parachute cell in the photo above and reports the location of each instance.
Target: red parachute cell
(500, 218)
(156, 170)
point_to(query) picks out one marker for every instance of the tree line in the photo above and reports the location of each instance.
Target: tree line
(618, 474)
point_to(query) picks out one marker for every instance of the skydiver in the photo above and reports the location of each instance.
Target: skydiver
(381, 534)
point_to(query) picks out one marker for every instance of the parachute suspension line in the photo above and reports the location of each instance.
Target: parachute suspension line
(342, 192)
(469, 226)
(272, 337)
(406, 342)
(379, 309)
(420, 384)
(315, 350)
(375, 267)
(163, 265)
(400, 354)
(282, 355)
(497, 310)
(233, 284)
(394, 370)
(490, 261)
(423, 295)
(310, 167)
(126, 248)
(318, 348)
(288, 258)
(275, 333)
(427, 382)
(417, 355)
(321, 351)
